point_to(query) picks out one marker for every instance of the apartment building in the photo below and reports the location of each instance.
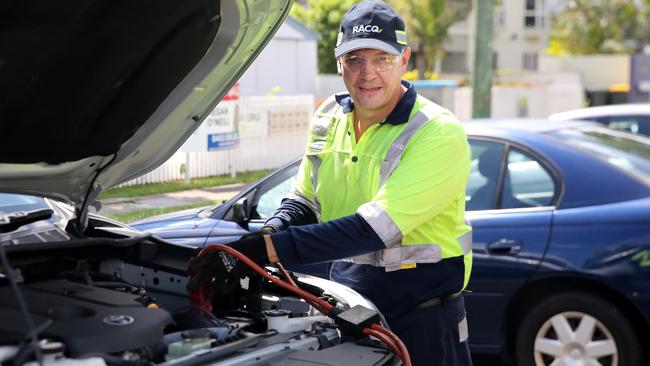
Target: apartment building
(521, 31)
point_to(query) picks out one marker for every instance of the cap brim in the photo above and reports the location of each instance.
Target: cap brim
(361, 43)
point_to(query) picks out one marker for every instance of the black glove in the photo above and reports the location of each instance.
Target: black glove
(219, 272)
(265, 230)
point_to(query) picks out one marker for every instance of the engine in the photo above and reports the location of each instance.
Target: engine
(108, 305)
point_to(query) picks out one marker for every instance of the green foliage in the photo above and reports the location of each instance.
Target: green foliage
(600, 26)
(324, 18)
(427, 25)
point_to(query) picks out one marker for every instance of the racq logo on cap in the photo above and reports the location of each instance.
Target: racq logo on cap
(366, 28)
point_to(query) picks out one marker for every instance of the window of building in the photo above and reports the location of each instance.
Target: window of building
(535, 14)
(499, 16)
(529, 61)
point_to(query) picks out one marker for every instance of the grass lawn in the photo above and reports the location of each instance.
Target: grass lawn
(127, 217)
(179, 185)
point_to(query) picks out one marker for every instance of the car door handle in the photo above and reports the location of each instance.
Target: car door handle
(504, 246)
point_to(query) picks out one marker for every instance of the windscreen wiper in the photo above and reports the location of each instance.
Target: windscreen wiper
(13, 221)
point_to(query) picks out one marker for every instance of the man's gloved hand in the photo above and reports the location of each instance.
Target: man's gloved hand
(265, 230)
(219, 272)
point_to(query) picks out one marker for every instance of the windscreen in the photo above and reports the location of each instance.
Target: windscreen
(10, 203)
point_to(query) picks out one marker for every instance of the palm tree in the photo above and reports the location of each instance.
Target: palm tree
(427, 25)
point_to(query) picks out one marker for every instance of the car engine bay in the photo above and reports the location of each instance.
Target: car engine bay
(111, 299)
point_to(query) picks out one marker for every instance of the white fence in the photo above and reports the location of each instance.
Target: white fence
(284, 138)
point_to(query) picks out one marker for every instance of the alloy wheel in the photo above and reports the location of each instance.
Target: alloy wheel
(575, 339)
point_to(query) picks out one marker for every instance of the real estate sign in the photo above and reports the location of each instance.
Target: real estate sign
(219, 131)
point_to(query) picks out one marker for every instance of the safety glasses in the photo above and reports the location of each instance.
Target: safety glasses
(381, 63)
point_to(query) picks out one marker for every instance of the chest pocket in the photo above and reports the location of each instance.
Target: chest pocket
(319, 135)
(321, 127)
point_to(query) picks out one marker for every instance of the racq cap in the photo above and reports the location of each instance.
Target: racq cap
(371, 24)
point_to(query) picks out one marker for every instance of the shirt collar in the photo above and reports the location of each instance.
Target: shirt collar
(400, 113)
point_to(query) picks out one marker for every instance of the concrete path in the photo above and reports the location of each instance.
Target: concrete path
(192, 196)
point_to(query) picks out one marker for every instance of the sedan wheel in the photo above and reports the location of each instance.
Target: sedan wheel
(575, 338)
(577, 329)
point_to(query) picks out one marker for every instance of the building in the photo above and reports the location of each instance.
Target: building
(521, 32)
(286, 66)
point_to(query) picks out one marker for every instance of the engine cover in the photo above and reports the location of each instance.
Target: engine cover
(87, 319)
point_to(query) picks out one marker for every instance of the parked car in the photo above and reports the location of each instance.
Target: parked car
(561, 219)
(634, 118)
(96, 94)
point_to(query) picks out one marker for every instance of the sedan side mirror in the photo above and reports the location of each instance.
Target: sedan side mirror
(240, 210)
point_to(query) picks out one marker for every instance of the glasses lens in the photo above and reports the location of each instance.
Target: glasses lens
(352, 63)
(379, 63)
(384, 62)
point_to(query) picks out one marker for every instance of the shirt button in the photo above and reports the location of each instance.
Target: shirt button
(354, 159)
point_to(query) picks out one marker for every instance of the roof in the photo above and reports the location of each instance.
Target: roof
(603, 111)
(305, 32)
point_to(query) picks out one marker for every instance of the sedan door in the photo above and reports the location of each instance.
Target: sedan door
(510, 201)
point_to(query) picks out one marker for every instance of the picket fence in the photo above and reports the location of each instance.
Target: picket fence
(251, 154)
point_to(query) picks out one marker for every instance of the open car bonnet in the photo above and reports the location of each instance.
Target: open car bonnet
(97, 93)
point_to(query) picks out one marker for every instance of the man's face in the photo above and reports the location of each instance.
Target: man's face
(372, 83)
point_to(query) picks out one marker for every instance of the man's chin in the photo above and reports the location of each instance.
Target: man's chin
(368, 103)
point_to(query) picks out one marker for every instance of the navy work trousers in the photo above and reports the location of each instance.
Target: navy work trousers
(435, 335)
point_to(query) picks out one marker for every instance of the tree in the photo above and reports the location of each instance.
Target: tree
(323, 17)
(427, 25)
(600, 26)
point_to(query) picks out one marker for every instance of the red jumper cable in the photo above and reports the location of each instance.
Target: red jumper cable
(387, 337)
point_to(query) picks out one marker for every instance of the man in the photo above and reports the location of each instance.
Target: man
(382, 185)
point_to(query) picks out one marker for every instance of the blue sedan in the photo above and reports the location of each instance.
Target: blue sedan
(561, 218)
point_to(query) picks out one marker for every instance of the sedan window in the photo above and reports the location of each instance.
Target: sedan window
(526, 182)
(633, 124)
(484, 175)
(271, 194)
(271, 200)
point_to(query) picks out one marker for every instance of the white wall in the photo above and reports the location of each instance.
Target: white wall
(328, 84)
(543, 95)
(538, 102)
(287, 62)
(597, 72)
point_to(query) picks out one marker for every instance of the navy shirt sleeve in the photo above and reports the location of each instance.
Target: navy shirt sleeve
(341, 238)
(291, 213)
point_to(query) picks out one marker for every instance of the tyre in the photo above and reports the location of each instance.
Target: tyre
(576, 328)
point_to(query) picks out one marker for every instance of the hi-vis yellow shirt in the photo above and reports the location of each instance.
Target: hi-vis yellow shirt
(407, 180)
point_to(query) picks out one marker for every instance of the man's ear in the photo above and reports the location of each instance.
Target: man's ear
(339, 67)
(406, 56)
